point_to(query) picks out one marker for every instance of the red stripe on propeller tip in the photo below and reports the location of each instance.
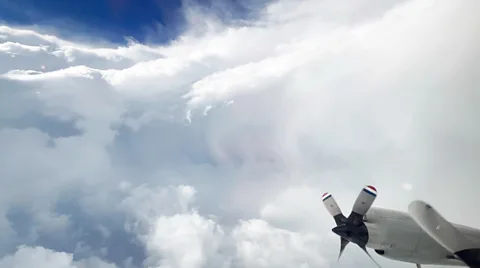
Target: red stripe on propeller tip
(324, 194)
(371, 187)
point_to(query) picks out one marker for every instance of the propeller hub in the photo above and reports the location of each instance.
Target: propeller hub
(355, 234)
(342, 231)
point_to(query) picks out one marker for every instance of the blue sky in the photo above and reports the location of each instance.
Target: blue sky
(162, 20)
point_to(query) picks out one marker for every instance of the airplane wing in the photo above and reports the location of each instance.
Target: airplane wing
(445, 233)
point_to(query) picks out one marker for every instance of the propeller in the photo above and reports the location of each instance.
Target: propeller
(352, 229)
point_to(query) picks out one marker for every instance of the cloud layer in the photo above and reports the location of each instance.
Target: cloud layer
(214, 150)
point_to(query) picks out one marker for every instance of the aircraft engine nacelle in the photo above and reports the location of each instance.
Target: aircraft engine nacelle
(397, 255)
(409, 256)
(383, 226)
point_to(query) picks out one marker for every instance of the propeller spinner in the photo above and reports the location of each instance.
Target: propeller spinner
(352, 229)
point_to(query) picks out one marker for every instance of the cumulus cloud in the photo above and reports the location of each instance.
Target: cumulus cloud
(41, 257)
(261, 245)
(213, 150)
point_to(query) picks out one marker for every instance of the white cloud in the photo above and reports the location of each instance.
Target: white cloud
(184, 241)
(189, 240)
(260, 245)
(297, 209)
(174, 235)
(42, 258)
(313, 96)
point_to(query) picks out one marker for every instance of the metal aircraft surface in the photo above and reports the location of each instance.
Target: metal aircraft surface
(421, 236)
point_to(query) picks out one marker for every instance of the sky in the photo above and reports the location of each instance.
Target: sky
(212, 147)
(154, 21)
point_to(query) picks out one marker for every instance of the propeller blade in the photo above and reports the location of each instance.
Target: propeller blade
(365, 250)
(333, 208)
(343, 243)
(362, 204)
